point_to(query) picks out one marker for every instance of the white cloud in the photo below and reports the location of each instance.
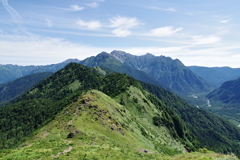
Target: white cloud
(121, 32)
(123, 25)
(206, 39)
(42, 51)
(93, 5)
(165, 31)
(124, 22)
(89, 25)
(75, 8)
(224, 21)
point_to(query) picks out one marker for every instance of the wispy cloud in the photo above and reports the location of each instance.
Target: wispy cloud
(76, 8)
(72, 8)
(206, 39)
(89, 25)
(224, 21)
(120, 32)
(222, 18)
(17, 18)
(170, 9)
(165, 31)
(93, 5)
(49, 23)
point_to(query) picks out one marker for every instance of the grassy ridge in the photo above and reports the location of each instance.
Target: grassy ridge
(105, 130)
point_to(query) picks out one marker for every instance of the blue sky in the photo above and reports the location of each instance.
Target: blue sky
(203, 33)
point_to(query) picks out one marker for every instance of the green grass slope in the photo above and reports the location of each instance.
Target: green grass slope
(96, 126)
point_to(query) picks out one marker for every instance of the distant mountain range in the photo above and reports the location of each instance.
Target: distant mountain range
(216, 75)
(110, 63)
(172, 74)
(15, 88)
(228, 92)
(11, 72)
(161, 71)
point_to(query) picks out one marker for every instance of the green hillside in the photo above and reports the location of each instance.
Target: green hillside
(213, 132)
(158, 127)
(95, 126)
(17, 87)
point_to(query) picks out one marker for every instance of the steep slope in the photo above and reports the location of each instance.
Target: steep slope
(11, 72)
(154, 126)
(228, 92)
(170, 72)
(213, 132)
(95, 126)
(17, 87)
(216, 75)
(108, 62)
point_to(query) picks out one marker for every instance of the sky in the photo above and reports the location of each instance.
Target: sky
(40, 32)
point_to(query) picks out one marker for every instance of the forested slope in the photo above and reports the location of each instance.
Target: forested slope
(213, 132)
(17, 87)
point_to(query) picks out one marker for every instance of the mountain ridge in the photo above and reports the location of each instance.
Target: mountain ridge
(228, 92)
(170, 72)
(216, 75)
(11, 72)
(106, 61)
